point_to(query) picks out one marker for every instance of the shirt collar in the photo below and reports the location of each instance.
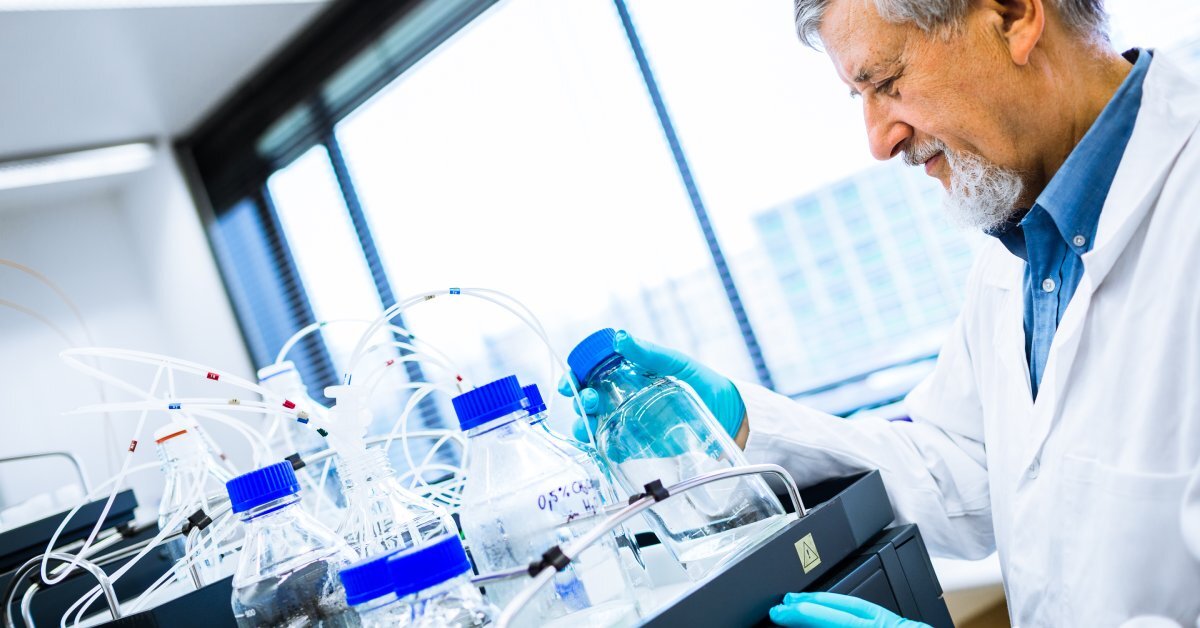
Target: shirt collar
(1076, 193)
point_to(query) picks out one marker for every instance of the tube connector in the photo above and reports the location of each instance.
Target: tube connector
(297, 462)
(553, 557)
(196, 521)
(653, 489)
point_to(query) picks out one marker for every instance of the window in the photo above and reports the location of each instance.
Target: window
(519, 145)
(326, 249)
(523, 155)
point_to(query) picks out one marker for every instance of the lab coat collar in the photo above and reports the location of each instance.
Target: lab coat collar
(1169, 113)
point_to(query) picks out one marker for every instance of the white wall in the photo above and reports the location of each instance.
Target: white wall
(134, 258)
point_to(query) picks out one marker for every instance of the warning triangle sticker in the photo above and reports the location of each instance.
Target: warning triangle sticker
(806, 549)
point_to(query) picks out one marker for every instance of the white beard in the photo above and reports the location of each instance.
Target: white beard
(982, 195)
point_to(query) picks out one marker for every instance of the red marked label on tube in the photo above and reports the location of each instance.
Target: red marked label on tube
(288, 404)
(213, 376)
(132, 445)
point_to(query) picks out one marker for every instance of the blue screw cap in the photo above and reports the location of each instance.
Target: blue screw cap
(262, 485)
(367, 579)
(534, 404)
(430, 565)
(590, 352)
(490, 401)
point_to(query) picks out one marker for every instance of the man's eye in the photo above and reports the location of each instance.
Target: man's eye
(886, 87)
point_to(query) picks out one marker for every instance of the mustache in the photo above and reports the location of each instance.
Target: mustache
(917, 154)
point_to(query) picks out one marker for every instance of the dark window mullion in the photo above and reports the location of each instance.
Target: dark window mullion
(428, 410)
(310, 355)
(689, 182)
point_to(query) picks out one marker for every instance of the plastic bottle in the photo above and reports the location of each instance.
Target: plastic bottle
(381, 515)
(656, 428)
(287, 573)
(323, 497)
(523, 497)
(194, 481)
(428, 586)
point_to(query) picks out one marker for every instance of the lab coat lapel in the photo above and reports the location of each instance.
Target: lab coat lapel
(1009, 342)
(1158, 137)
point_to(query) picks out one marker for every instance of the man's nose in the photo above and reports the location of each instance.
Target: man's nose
(886, 134)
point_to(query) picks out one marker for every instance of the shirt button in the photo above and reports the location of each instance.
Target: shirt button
(1048, 285)
(1034, 467)
(1079, 240)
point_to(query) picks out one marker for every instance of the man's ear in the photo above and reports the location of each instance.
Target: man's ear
(1021, 24)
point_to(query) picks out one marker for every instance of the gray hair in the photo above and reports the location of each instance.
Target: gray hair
(1085, 17)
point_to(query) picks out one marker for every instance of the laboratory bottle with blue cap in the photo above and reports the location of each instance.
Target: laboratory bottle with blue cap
(523, 496)
(287, 574)
(656, 428)
(370, 593)
(427, 587)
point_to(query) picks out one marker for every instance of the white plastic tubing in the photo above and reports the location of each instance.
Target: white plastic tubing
(215, 409)
(188, 410)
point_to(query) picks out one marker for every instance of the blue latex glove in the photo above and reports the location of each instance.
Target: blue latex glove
(831, 610)
(716, 391)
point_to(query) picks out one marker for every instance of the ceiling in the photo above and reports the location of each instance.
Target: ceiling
(81, 78)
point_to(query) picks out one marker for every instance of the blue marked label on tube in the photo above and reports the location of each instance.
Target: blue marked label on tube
(302, 419)
(174, 406)
(456, 291)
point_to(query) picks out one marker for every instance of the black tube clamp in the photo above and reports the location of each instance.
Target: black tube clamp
(553, 557)
(196, 521)
(297, 462)
(653, 489)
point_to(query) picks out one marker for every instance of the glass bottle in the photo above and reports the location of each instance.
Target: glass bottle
(380, 515)
(523, 497)
(287, 571)
(370, 593)
(433, 584)
(193, 481)
(656, 428)
(427, 587)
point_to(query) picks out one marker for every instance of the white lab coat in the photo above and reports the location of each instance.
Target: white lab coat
(1091, 495)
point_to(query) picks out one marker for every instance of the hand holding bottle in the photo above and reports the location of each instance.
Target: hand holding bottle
(716, 391)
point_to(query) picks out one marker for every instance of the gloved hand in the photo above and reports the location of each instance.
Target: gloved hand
(831, 610)
(716, 391)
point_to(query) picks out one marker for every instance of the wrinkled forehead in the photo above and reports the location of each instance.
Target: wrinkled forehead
(860, 43)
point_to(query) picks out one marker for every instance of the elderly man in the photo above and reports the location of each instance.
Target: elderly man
(1061, 425)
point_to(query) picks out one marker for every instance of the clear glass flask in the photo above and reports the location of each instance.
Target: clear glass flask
(380, 515)
(194, 480)
(656, 428)
(287, 574)
(323, 496)
(523, 497)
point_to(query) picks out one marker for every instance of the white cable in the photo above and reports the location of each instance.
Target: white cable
(137, 432)
(173, 523)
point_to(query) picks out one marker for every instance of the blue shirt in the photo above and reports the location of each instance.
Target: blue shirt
(1060, 226)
